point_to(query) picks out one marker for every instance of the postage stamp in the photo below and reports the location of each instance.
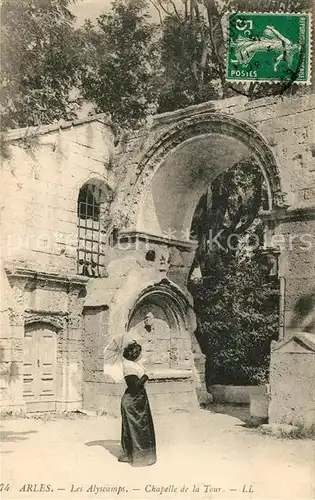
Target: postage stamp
(268, 47)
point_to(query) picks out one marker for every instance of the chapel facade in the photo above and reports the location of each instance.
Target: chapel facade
(96, 237)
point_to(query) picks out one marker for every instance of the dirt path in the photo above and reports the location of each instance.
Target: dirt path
(70, 457)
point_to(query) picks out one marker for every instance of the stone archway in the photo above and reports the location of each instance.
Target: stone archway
(168, 345)
(168, 339)
(174, 172)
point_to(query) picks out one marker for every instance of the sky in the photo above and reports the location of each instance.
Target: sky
(84, 9)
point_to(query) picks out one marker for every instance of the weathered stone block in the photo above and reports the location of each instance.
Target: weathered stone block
(292, 378)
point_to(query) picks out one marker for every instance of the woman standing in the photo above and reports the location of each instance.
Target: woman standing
(137, 435)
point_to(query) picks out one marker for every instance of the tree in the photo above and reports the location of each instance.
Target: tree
(120, 63)
(237, 311)
(189, 44)
(193, 50)
(226, 212)
(190, 74)
(40, 62)
(236, 301)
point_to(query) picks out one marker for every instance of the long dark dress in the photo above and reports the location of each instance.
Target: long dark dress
(137, 434)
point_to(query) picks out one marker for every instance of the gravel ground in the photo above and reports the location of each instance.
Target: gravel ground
(200, 455)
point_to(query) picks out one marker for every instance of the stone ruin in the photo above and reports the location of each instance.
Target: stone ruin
(97, 235)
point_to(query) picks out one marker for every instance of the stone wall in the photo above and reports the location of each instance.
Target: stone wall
(96, 335)
(288, 127)
(285, 123)
(41, 180)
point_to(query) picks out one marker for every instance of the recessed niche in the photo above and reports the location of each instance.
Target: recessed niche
(150, 255)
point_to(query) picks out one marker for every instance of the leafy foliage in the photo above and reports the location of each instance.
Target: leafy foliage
(125, 65)
(40, 62)
(190, 75)
(121, 63)
(237, 310)
(236, 301)
(226, 212)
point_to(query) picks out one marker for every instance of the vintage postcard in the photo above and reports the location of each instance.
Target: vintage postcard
(157, 305)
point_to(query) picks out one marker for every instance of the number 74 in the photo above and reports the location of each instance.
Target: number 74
(4, 487)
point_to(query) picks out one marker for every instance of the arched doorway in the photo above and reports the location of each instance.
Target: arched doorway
(159, 317)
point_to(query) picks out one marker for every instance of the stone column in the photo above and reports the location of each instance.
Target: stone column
(71, 356)
(11, 344)
(295, 237)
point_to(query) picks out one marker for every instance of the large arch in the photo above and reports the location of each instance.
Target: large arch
(168, 181)
(178, 167)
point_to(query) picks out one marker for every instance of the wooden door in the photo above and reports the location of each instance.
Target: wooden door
(40, 352)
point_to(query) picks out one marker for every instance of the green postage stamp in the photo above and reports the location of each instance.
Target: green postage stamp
(268, 47)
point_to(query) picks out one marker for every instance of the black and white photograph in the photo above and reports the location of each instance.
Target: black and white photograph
(157, 305)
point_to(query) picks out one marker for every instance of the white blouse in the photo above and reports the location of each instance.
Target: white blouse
(133, 368)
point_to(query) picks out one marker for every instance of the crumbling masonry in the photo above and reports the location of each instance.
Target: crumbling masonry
(95, 235)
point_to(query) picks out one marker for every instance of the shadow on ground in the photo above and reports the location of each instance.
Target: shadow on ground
(11, 437)
(111, 445)
(237, 411)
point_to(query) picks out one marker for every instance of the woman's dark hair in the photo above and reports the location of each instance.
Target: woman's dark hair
(132, 351)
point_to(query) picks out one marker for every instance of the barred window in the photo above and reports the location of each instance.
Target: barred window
(91, 210)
